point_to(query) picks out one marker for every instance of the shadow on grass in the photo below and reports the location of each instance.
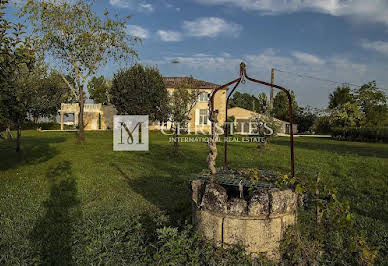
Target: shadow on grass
(34, 150)
(166, 186)
(52, 233)
(361, 149)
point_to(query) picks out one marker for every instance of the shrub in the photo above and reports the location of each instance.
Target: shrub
(322, 125)
(361, 134)
(325, 233)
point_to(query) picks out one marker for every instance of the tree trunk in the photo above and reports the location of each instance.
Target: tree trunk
(8, 131)
(81, 125)
(18, 136)
(176, 144)
(263, 145)
(212, 144)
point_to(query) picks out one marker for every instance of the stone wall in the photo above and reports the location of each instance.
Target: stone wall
(257, 223)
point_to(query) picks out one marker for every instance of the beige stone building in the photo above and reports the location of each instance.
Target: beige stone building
(243, 116)
(199, 114)
(96, 116)
(100, 117)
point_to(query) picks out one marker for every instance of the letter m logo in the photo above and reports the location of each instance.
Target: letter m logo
(130, 133)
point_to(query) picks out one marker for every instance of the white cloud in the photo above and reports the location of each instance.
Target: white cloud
(378, 46)
(169, 35)
(121, 3)
(308, 58)
(133, 4)
(137, 31)
(146, 7)
(169, 5)
(371, 10)
(202, 55)
(210, 27)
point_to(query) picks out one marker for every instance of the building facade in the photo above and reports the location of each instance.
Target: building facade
(199, 118)
(96, 116)
(100, 117)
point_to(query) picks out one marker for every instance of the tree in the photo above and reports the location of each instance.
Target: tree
(183, 100)
(243, 100)
(281, 106)
(346, 115)
(373, 104)
(305, 118)
(263, 103)
(16, 61)
(80, 41)
(322, 124)
(49, 91)
(99, 90)
(340, 96)
(140, 90)
(262, 123)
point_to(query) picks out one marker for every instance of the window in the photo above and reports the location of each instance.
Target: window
(203, 116)
(203, 97)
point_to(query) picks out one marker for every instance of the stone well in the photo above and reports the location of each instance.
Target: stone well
(258, 223)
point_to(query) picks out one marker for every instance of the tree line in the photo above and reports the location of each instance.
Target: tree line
(364, 107)
(76, 42)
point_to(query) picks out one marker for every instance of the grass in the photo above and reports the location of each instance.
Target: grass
(56, 195)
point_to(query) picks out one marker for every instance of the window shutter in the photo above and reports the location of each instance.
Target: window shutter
(196, 121)
(208, 121)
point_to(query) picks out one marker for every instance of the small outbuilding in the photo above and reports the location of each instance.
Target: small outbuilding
(96, 116)
(242, 117)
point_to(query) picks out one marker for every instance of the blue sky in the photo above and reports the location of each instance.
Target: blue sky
(342, 40)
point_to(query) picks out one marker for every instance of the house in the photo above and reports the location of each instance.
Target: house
(96, 116)
(199, 114)
(243, 116)
(100, 117)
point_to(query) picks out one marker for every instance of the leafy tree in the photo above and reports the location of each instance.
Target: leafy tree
(183, 100)
(305, 118)
(373, 104)
(99, 90)
(263, 122)
(340, 96)
(48, 92)
(346, 115)
(16, 60)
(280, 106)
(140, 90)
(243, 100)
(79, 40)
(364, 107)
(263, 103)
(322, 124)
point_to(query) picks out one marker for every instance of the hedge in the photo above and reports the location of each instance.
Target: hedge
(361, 134)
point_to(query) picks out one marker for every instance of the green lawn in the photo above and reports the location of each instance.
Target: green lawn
(63, 194)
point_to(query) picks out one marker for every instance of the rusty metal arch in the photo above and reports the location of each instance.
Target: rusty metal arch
(241, 79)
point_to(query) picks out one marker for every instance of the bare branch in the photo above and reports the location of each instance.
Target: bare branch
(71, 87)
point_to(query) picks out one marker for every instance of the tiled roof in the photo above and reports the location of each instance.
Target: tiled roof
(173, 82)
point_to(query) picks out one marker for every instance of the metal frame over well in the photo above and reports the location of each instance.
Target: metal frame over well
(241, 79)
